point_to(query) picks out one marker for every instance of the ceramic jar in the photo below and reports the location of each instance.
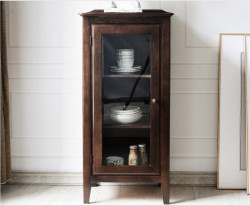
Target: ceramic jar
(133, 157)
(142, 154)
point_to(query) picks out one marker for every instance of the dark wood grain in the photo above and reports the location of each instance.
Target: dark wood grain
(87, 119)
(157, 24)
(145, 13)
(97, 98)
(154, 93)
(126, 170)
(112, 178)
(127, 20)
(165, 109)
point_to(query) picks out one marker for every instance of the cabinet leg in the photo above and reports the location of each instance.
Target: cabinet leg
(94, 184)
(86, 193)
(165, 192)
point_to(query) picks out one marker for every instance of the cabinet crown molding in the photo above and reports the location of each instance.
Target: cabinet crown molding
(144, 13)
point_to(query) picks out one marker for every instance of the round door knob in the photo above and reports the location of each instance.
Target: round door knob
(154, 101)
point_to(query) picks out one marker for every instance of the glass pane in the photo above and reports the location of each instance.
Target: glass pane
(126, 79)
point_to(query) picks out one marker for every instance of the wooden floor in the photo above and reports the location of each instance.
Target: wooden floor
(119, 195)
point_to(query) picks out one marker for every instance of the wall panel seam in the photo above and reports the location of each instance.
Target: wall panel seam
(57, 92)
(46, 156)
(69, 137)
(37, 77)
(79, 63)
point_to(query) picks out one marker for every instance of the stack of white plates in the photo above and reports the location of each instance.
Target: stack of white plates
(130, 115)
(128, 70)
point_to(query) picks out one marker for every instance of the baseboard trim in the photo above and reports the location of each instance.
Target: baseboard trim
(193, 178)
(59, 178)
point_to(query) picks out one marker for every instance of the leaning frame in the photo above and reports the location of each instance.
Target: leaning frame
(219, 110)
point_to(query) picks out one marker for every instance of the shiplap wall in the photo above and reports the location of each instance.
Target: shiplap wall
(44, 50)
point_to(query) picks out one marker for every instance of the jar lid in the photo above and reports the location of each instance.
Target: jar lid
(133, 147)
(142, 145)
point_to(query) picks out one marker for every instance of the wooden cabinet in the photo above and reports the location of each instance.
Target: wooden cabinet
(126, 98)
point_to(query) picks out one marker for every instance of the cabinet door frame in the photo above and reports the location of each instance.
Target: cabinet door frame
(139, 29)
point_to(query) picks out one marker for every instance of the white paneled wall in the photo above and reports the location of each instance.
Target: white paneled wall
(44, 45)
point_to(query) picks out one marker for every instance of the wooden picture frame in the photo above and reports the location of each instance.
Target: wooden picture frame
(231, 112)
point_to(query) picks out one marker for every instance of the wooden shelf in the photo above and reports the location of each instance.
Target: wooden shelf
(135, 126)
(127, 76)
(117, 131)
(126, 165)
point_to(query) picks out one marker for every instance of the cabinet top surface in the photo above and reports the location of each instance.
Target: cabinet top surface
(144, 13)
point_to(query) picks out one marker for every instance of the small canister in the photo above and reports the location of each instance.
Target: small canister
(133, 157)
(142, 154)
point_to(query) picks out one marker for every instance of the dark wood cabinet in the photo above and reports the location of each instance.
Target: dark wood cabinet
(126, 98)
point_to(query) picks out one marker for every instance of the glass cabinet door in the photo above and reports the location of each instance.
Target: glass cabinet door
(125, 62)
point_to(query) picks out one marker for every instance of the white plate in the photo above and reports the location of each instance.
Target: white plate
(126, 118)
(129, 110)
(130, 115)
(133, 69)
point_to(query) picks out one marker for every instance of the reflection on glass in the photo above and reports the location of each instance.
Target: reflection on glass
(126, 94)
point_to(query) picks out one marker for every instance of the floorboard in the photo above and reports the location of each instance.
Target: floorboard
(119, 195)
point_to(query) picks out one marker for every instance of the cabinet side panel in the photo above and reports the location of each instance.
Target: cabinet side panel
(165, 108)
(86, 111)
